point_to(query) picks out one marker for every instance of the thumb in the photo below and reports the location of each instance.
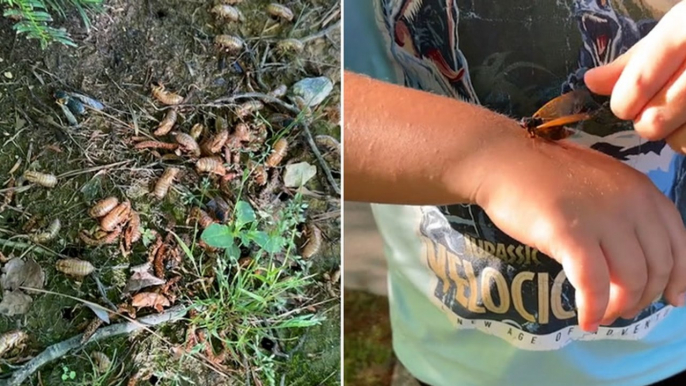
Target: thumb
(601, 80)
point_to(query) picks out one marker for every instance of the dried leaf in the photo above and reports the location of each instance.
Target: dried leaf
(142, 278)
(100, 312)
(150, 299)
(18, 272)
(297, 175)
(15, 303)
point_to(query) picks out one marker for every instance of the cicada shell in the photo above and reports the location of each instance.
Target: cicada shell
(162, 186)
(150, 299)
(290, 45)
(75, 267)
(49, 234)
(156, 145)
(104, 238)
(197, 130)
(167, 123)
(314, 242)
(229, 43)
(10, 340)
(116, 217)
(210, 165)
(260, 174)
(102, 362)
(242, 132)
(203, 219)
(215, 143)
(133, 231)
(228, 12)
(279, 91)
(166, 97)
(42, 179)
(328, 142)
(188, 143)
(92, 327)
(248, 108)
(103, 207)
(280, 11)
(279, 151)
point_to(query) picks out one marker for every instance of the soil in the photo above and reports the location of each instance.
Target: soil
(131, 45)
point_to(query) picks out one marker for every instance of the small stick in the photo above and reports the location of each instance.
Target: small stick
(58, 350)
(321, 33)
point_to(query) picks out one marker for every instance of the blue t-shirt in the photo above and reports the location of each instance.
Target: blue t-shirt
(469, 304)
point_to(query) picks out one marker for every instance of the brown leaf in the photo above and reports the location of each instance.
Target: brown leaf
(142, 278)
(150, 299)
(15, 303)
(18, 272)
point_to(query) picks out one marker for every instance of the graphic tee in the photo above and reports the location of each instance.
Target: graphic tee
(469, 304)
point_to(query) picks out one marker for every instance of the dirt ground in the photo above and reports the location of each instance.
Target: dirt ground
(130, 46)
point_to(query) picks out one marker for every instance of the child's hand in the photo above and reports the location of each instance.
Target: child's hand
(648, 83)
(620, 240)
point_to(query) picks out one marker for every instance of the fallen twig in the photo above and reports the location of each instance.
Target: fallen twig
(320, 159)
(60, 349)
(321, 33)
(36, 248)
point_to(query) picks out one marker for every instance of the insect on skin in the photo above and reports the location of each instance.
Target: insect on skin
(166, 97)
(314, 242)
(229, 43)
(280, 150)
(163, 184)
(166, 124)
(103, 207)
(550, 120)
(42, 179)
(280, 11)
(248, 108)
(75, 267)
(228, 12)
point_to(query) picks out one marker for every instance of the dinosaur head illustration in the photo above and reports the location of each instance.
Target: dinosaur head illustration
(606, 34)
(424, 40)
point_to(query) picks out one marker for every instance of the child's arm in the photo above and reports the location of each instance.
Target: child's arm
(618, 238)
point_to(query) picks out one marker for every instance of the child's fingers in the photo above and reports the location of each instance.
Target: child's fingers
(666, 111)
(661, 53)
(601, 80)
(587, 271)
(654, 238)
(677, 140)
(671, 218)
(628, 272)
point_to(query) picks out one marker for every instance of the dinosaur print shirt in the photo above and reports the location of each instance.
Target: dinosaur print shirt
(469, 304)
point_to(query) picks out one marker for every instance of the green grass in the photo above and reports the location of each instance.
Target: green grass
(368, 343)
(34, 18)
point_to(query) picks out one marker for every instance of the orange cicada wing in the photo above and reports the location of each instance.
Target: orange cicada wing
(566, 104)
(562, 121)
